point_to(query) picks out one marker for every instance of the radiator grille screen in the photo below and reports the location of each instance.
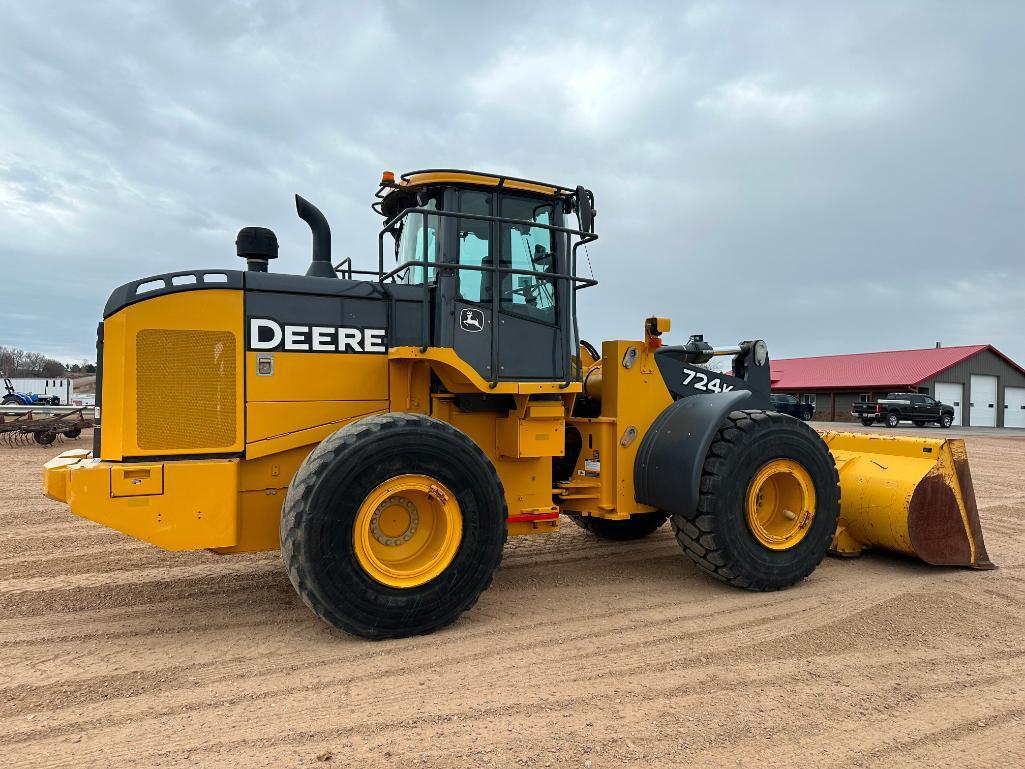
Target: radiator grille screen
(186, 390)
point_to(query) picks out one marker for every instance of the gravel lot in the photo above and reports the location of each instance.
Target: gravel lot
(583, 653)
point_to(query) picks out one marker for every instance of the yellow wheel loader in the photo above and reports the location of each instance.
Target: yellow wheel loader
(388, 429)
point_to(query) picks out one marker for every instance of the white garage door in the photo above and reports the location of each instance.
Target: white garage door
(983, 410)
(1014, 407)
(952, 395)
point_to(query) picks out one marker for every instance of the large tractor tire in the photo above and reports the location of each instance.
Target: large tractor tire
(635, 527)
(393, 526)
(768, 506)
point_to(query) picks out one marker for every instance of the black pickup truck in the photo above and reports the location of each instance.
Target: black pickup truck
(903, 407)
(788, 404)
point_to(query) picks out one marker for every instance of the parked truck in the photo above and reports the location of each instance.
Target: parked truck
(903, 407)
(788, 404)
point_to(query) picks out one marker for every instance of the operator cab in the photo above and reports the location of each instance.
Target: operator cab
(496, 258)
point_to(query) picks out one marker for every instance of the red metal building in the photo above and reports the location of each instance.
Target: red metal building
(985, 387)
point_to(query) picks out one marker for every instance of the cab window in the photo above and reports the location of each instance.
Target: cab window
(474, 245)
(418, 229)
(520, 247)
(523, 247)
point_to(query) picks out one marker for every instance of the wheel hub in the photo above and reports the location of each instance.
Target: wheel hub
(395, 521)
(407, 531)
(780, 504)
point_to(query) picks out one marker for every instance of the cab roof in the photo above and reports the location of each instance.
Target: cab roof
(393, 193)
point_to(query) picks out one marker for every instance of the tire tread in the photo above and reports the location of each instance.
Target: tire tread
(298, 503)
(697, 533)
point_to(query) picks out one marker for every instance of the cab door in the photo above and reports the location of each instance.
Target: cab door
(919, 407)
(523, 316)
(930, 409)
(464, 311)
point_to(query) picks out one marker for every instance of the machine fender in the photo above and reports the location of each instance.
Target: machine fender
(667, 471)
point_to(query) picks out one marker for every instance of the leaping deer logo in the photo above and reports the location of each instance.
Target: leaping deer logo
(471, 319)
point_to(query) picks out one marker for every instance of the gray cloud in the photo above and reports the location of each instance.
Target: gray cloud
(832, 179)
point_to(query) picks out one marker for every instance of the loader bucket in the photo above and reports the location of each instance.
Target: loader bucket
(908, 495)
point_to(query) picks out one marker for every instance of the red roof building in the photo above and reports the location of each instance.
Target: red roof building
(985, 387)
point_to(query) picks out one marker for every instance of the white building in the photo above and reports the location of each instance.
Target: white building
(62, 388)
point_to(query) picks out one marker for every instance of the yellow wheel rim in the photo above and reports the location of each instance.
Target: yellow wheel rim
(780, 504)
(407, 531)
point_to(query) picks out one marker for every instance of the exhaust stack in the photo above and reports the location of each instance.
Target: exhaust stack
(320, 266)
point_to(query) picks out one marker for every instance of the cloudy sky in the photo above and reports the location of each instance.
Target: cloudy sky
(829, 177)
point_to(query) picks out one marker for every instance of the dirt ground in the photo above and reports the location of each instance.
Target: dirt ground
(582, 654)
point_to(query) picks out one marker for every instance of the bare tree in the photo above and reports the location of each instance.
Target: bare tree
(20, 363)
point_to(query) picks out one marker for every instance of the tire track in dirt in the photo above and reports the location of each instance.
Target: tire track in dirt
(644, 629)
(750, 682)
(617, 622)
(437, 665)
(78, 561)
(147, 575)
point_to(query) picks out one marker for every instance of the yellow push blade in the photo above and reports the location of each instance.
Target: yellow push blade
(908, 495)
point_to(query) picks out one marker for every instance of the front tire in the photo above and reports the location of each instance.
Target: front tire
(761, 468)
(637, 526)
(946, 421)
(393, 526)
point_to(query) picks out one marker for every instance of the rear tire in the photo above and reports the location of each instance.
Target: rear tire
(718, 537)
(868, 422)
(326, 500)
(919, 423)
(74, 432)
(892, 419)
(637, 526)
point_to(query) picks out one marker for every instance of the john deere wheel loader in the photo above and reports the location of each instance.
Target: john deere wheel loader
(388, 429)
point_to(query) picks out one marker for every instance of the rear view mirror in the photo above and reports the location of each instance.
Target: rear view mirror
(585, 210)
